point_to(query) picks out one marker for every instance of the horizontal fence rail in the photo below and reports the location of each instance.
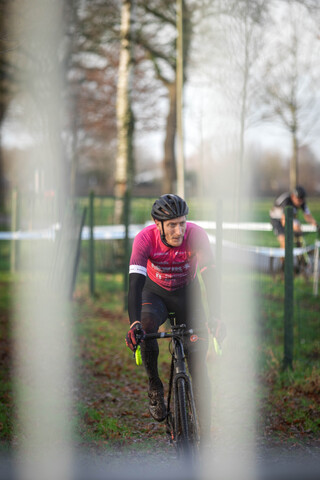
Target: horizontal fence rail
(117, 232)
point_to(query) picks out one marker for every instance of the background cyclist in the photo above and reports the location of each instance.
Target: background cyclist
(296, 199)
(163, 278)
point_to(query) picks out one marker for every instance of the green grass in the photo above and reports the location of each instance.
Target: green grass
(108, 257)
(108, 375)
(111, 404)
(254, 210)
(290, 397)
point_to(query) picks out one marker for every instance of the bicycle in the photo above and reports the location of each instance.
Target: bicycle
(303, 264)
(182, 424)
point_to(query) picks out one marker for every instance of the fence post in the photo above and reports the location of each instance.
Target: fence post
(288, 293)
(316, 268)
(127, 201)
(91, 246)
(14, 226)
(77, 256)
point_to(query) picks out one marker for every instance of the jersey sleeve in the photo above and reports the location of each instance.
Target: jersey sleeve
(201, 245)
(208, 272)
(136, 283)
(305, 209)
(283, 200)
(140, 254)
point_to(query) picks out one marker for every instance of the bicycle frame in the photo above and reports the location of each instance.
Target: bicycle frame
(304, 262)
(184, 440)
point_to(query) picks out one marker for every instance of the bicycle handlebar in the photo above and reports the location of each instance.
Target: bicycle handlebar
(305, 234)
(179, 333)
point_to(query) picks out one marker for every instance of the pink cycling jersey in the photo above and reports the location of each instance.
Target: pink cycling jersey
(170, 267)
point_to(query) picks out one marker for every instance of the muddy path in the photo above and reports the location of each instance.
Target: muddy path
(113, 430)
(112, 385)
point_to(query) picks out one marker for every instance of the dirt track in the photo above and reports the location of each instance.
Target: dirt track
(277, 448)
(139, 446)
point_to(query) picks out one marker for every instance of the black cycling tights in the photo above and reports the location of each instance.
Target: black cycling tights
(196, 358)
(186, 303)
(150, 351)
(154, 314)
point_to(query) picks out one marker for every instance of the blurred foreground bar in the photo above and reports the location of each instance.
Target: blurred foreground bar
(43, 376)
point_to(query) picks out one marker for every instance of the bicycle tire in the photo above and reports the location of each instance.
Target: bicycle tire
(193, 424)
(304, 266)
(183, 418)
(187, 432)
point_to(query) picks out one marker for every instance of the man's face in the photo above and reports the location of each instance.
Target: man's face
(174, 230)
(296, 200)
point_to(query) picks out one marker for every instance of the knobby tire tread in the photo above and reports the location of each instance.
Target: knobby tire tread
(183, 411)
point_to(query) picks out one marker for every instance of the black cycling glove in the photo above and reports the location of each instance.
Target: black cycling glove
(135, 335)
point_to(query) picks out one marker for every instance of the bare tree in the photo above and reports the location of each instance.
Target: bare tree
(291, 75)
(92, 77)
(157, 35)
(93, 43)
(230, 39)
(125, 118)
(244, 40)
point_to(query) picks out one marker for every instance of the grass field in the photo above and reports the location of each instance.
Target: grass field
(107, 255)
(289, 406)
(110, 402)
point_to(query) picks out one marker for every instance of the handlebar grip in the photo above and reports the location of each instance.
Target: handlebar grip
(137, 355)
(139, 333)
(217, 347)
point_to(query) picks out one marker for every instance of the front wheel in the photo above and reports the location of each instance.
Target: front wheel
(304, 266)
(186, 425)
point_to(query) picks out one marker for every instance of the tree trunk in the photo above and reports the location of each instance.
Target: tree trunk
(294, 162)
(125, 120)
(169, 161)
(243, 115)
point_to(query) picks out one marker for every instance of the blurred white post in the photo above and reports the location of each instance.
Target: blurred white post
(179, 79)
(233, 379)
(42, 325)
(233, 375)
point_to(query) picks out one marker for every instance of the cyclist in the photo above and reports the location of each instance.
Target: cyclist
(296, 199)
(163, 278)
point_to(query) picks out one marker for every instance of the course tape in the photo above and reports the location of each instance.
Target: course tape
(117, 232)
(266, 251)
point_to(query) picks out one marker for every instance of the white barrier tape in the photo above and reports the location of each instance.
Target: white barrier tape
(111, 232)
(117, 232)
(32, 235)
(265, 251)
(248, 226)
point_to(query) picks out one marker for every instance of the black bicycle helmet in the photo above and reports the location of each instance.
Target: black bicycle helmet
(169, 206)
(300, 192)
